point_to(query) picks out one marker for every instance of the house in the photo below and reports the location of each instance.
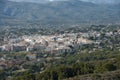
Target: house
(61, 49)
(18, 48)
(1, 48)
(6, 47)
(30, 48)
(31, 56)
(39, 47)
(36, 47)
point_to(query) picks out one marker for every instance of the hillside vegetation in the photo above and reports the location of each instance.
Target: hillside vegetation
(61, 12)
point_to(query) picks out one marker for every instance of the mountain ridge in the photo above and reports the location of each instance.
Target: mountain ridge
(73, 11)
(93, 1)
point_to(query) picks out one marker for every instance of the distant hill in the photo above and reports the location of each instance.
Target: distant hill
(62, 12)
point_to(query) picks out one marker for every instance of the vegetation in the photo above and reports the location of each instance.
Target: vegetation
(52, 13)
(94, 61)
(81, 68)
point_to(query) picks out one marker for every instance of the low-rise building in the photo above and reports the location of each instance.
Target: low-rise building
(1, 48)
(61, 49)
(18, 48)
(31, 56)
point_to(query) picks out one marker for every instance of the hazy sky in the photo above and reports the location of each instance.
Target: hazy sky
(94, 1)
(102, 1)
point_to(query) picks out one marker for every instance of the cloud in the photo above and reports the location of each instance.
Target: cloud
(35, 0)
(28, 0)
(102, 1)
(94, 1)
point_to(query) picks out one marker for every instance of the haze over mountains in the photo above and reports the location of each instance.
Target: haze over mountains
(70, 11)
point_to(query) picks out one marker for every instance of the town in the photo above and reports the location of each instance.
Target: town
(52, 43)
(35, 52)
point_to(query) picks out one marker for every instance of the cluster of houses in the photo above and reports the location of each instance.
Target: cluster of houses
(46, 43)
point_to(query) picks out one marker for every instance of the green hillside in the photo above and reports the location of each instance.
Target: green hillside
(73, 11)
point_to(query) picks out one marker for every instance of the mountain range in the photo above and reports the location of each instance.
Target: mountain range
(59, 12)
(93, 1)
